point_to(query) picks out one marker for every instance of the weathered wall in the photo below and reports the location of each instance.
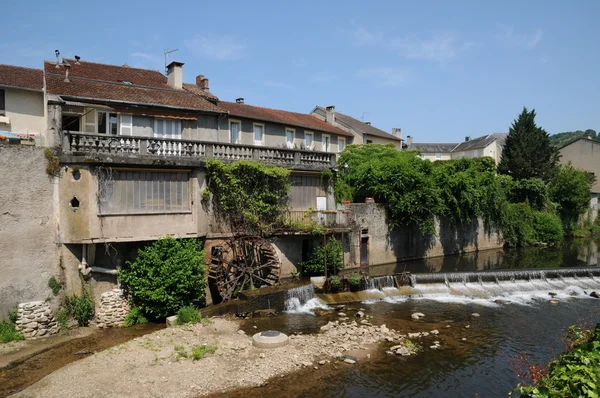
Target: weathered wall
(584, 154)
(25, 111)
(28, 255)
(385, 246)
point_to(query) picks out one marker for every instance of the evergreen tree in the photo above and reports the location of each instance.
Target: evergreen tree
(527, 152)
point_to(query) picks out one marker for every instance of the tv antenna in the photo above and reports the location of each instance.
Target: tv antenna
(362, 118)
(167, 52)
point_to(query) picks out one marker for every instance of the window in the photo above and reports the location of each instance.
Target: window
(126, 125)
(2, 103)
(369, 141)
(259, 130)
(234, 132)
(341, 144)
(308, 138)
(126, 192)
(108, 123)
(325, 141)
(289, 138)
(167, 128)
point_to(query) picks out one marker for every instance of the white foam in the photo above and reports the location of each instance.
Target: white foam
(294, 306)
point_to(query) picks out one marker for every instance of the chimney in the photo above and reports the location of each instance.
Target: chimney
(468, 138)
(67, 67)
(409, 141)
(368, 123)
(330, 113)
(57, 55)
(175, 75)
(77, 58)
(397, 132)
(239, 100)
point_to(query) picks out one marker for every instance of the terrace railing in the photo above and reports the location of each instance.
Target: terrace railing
(79, 143)
(307, 219)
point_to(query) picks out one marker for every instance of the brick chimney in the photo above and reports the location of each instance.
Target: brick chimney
(409, 141)
(330, 113)
(202, 82)
(175, 75)
(397, 132)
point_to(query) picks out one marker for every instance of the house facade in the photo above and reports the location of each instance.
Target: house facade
(362, 133)
(490, 145)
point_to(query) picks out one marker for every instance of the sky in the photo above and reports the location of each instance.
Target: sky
(439, 70)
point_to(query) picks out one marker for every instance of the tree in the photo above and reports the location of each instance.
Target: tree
(527, 152)
(571, 190)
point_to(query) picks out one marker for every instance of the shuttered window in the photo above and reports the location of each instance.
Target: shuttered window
(130, 192)
(305, 189)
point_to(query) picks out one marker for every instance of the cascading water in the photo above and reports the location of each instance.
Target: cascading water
(302, 300)
(379, 287)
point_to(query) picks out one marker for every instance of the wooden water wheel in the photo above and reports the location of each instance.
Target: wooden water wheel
(243, 263)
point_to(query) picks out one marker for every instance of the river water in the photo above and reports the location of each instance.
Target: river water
(524, 317)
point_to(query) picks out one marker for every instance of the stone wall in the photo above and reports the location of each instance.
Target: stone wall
(112, 310)
(35, 319)
(28, 254)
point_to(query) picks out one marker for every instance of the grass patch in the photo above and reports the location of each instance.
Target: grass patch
(188, 314)
(54, 285)
(82, 308)
(8, 331)
(62, 317)
(199, 352)
(134, 317)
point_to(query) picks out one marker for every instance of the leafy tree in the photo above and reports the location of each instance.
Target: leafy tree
(533, 191)
(560, 139)
(315, 264)
(527, 152)
(571, 191)
(166, 276)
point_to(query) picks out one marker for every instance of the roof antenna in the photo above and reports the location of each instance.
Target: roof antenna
(362, 118)
(57, 55)
(167, 52)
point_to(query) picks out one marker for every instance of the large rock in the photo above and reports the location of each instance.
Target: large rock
(172, 321)
(417, 315)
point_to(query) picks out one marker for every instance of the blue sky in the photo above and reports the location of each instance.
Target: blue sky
(440, 70)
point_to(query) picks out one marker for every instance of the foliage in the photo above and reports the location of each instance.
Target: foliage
(527, 152)
(398, 178)
(561, 139)
(354, 280)
(54, 285)
(188, 314)
(134, 317)
(52, 163)
(522, 226)
(533, 191)
(548, 227)
(62, 317)
(166, 276)
(574, 373)
(335, 283)
(8, 331)
(199, 352)
(81, 308)
(308, 224)
(571, 190)
(13, 315)
(250, 196)
(315, 263)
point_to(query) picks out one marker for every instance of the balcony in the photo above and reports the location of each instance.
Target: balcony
(88, 144)
(314, 221)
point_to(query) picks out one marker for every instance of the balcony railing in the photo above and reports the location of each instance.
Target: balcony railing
(306, 220)
(75, 142)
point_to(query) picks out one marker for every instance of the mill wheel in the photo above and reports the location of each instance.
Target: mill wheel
(245, 263)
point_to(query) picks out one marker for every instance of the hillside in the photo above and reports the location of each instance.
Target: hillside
(560, 139)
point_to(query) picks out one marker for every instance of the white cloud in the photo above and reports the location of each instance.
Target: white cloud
(440, 48)
(387, 77)
(519, 39)
(222, 48)
(142, 55)
(279, 85)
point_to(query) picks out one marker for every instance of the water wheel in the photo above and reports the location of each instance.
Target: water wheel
(243, 263)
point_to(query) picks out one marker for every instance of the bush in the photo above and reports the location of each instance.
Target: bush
(315, 264)
(354, 280)
(134, 317)
(533, 191)
(517, 224)
(548, 227)
(188, 314)
(335, 283)
(54, 285)
(13, 315)
(571, 190)
(8, 332)
(62, 317)
(166, 276)
(82, 308)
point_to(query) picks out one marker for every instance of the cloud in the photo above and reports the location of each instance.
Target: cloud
(222, 48)
(387, 77)
(279, 85)
(518, 39)
(142, 55)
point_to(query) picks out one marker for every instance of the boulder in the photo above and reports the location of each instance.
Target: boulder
(595, 294)
(417, 315)
(322, 312)
(172, 321)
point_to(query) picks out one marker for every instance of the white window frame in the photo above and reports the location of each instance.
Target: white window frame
(123, 123)
(239, 122)
(160, 120)
(323, 142)
(312, 139)
(341, 139)
(108, 113)
(262, 140)
(290, 145)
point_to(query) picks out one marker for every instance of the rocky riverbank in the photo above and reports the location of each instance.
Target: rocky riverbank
(196, 360)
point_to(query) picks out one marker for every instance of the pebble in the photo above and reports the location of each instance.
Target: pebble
(435, 332)
(341, 314)
(323, 362)
(262, 355)
(475, 315)
(417, 315)
(350, 361)
(463, 339)
(467, 326)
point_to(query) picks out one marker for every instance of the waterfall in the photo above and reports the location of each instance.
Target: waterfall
(380, 287)
(302, 300)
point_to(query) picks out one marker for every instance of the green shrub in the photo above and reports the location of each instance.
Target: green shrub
(533, 191)
(571, 190)
(314, 265)
(199, 352)
(134, 317)
(62, 317)
(13, 315)
(517, 224)
(188, 314)
(354, 280)
(82, 308)
(548, 227)
(166, 276)
(8, 331)
(334, 283)
(54, 285)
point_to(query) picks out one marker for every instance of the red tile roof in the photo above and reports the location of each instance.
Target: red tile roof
(96, 81)
(362, 126)
(291, 119)
(20, 77)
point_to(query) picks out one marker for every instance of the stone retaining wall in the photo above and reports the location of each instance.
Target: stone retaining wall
(113, 309)
(35, 319)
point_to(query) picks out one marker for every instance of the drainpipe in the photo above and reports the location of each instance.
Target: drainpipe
(83, 266)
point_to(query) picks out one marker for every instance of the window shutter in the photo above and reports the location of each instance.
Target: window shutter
(126, 127)
(90, 120)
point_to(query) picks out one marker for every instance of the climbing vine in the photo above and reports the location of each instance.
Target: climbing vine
(250, 197)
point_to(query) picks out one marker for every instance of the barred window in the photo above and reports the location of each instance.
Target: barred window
(126, 192)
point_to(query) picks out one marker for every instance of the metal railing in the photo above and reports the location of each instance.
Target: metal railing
(75, 142)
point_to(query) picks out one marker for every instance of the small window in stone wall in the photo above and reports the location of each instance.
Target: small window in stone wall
(131, 192)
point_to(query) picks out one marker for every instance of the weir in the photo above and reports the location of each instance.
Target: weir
(302, 300)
